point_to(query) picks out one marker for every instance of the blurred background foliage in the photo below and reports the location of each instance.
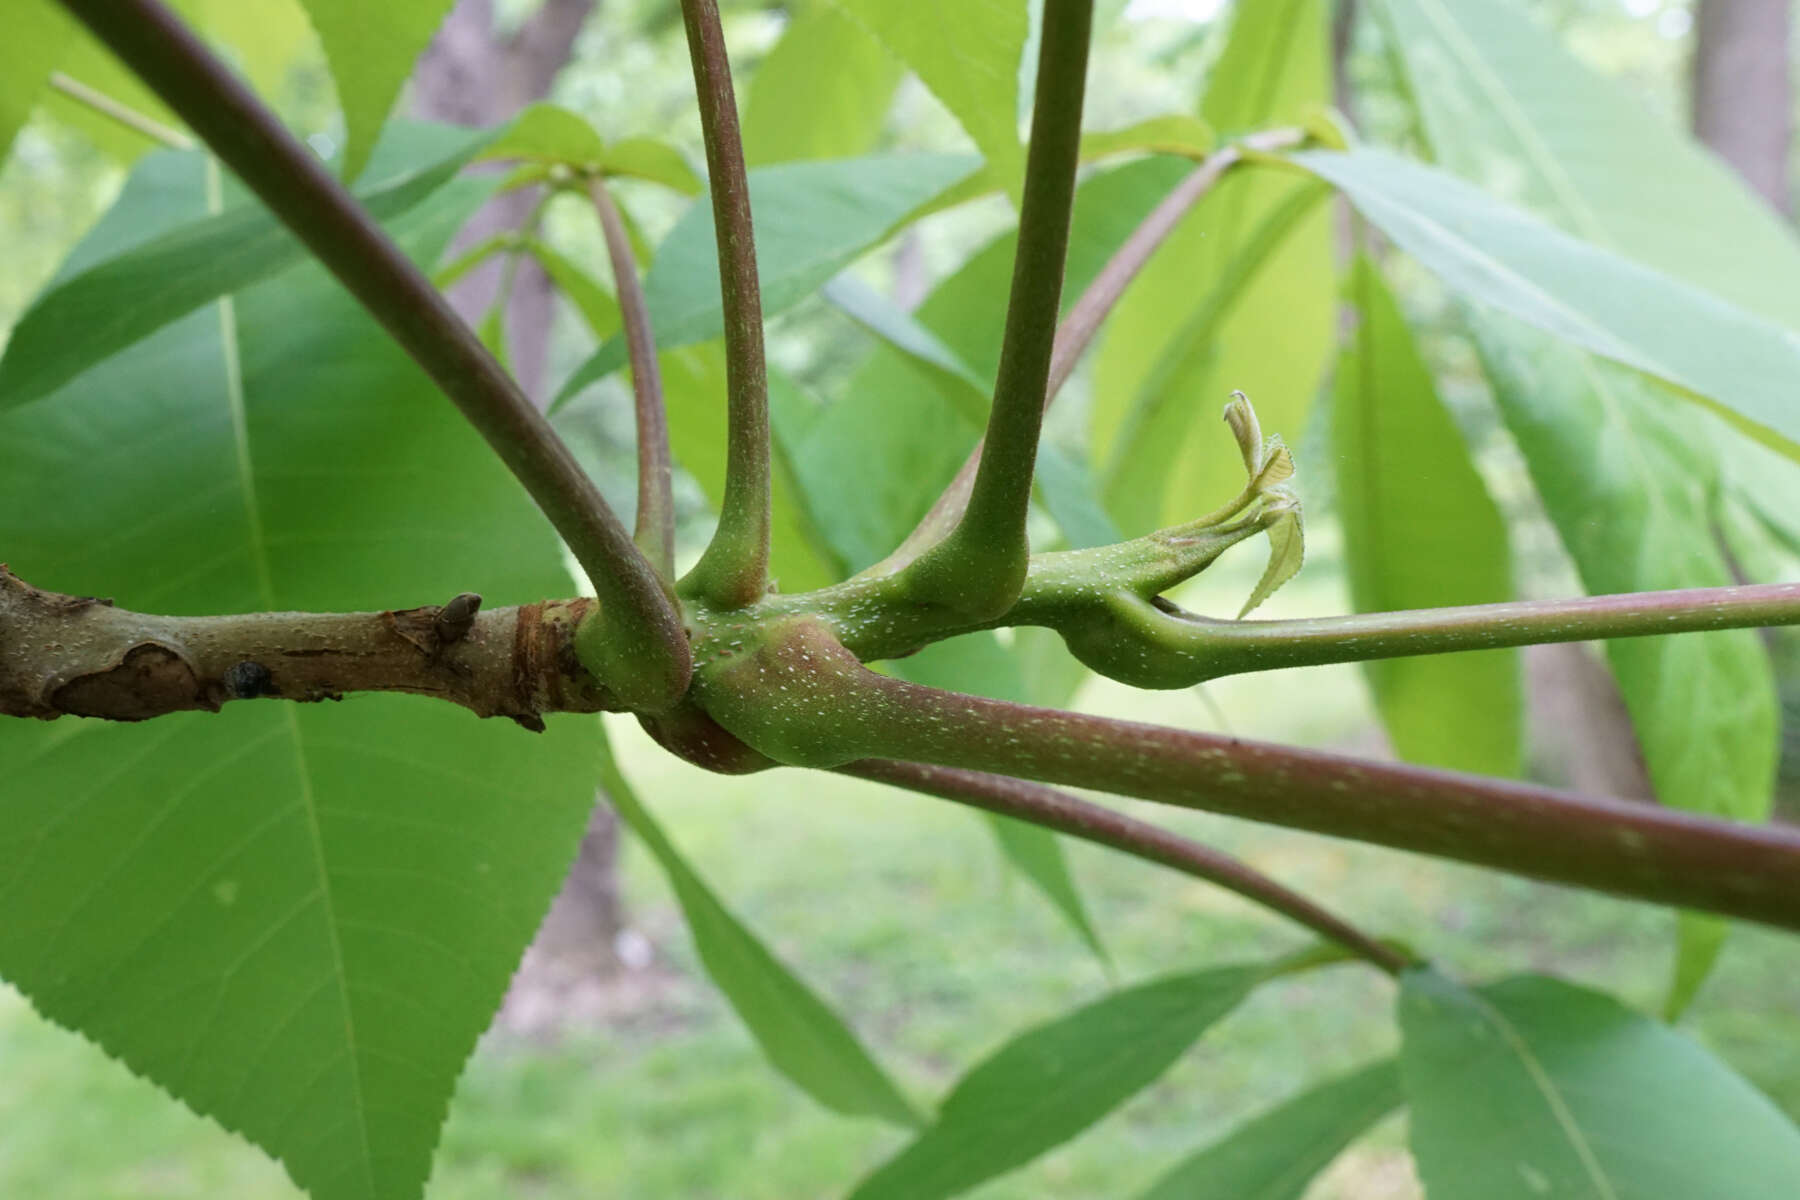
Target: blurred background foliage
(640, 1082)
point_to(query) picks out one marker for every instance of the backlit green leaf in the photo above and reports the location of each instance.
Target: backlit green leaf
(1420, 531)
(1240, 297)
(967, 53)
(812, 219)
(1735, 363)
(823, 92)
(1534, 1087)
(36, 33)
(371, 49)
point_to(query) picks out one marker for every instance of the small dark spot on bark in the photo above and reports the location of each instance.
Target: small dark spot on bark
(248, 680)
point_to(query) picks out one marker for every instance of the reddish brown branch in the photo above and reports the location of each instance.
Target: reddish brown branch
(655, 531)
(1092, 822)
(833, 710)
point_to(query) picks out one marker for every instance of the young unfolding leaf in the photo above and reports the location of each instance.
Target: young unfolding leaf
(812, 219)
(1735, 363)
(1287, 551)
(1049, 1083)
(108, 303)
(371, 49)
(553, 136)
(1420, 532)
(1277, 1155)
(1534, 1087)
(968, 55)
(803, 1038)
(296, 918)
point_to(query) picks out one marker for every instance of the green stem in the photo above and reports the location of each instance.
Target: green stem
(1092, 822)
(640, 650)
(980, 567)
(655, 532)
(733, 570)
(1189, 649)
(831, 710)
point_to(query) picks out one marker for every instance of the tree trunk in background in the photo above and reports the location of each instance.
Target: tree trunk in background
(471, 75)
(1742, 98)
(1743, 108)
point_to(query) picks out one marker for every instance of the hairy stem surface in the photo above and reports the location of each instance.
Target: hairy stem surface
(642, 645)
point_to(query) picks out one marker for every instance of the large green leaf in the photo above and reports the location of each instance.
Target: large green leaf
(967, 53)
(1420, 531)
(1277, 1155)
(113, 302)
(802, 1036)
(1505, 106)
(36, 33)
(812, 219)
(823, 91)
(1737, 364)
(371, 49)
(1629, 486)
(1533, 1087)
(1173, 350)
(295, 919)
(1049, 1083)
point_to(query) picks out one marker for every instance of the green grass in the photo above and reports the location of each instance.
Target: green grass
(899, 910)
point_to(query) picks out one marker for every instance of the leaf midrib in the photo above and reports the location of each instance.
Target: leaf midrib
(231, 364)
